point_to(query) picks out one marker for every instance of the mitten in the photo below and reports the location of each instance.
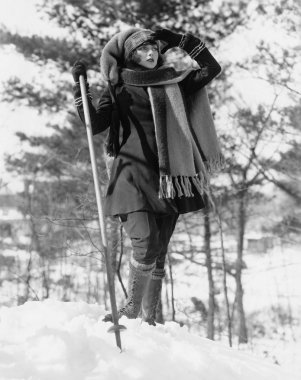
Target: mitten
(172, 39)
(192, 45)
(78, 69)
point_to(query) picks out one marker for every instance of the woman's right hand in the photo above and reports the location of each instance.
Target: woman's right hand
(78, 69)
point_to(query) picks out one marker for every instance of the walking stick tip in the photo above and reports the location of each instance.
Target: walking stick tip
(115, 328)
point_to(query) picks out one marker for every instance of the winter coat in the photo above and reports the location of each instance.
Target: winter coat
(134, 178)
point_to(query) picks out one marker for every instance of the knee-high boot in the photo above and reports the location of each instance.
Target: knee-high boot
(152, 296)
(139, 276)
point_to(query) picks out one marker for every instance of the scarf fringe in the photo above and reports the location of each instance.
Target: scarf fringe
(179, 189)
(215, 164)
(179, 186)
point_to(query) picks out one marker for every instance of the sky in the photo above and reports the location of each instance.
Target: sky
(27, 22)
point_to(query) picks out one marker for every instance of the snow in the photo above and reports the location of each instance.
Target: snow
(67, 341)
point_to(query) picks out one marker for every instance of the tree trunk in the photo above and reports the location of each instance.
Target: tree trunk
(242, 328)
(225, 287)
(20, 297)
(35, 240)
(28, 277)
(167, 303)
(159, 312)
(211, 302)
(89, 285)
(105, 287)
(173, 317)
(45, 278)
(97, 286)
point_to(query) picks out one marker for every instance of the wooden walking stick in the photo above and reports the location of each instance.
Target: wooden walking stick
(101, 220)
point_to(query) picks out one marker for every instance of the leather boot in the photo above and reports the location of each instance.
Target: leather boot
(152, 296)
(139, 276)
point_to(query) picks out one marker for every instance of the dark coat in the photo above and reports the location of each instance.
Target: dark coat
(134, 179)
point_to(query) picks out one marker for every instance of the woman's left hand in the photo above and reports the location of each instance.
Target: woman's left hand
(172, 39)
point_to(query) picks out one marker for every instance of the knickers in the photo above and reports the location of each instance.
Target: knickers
(150, 235)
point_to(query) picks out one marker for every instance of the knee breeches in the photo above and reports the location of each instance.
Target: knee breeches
(150, 235)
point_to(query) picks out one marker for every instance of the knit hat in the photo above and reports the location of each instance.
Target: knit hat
(118, 48)
(137, 39)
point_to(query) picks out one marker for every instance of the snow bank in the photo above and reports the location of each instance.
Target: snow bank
(66, 341)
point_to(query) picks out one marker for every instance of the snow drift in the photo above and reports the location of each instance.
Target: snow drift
(67, 341)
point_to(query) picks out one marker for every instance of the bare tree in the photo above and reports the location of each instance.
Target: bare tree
(211, 302)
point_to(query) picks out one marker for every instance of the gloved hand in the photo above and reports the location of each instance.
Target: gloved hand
(79, 68)
(172, 39)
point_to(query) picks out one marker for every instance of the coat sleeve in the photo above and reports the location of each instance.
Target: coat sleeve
(101, 115)
(209, 67)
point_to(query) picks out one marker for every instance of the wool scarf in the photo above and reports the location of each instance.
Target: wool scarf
(188, 148)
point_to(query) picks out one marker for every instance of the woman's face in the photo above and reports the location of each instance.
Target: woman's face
(147, 55)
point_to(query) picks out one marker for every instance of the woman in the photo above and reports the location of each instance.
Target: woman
(164, 144)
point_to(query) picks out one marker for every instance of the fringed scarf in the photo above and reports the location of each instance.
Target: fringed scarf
(188, 148)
